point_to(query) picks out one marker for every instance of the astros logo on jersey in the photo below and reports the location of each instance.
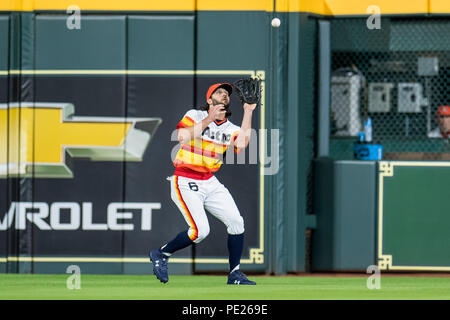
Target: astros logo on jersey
(205, 154)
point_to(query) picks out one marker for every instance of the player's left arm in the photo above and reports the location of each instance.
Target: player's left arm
(243, 138)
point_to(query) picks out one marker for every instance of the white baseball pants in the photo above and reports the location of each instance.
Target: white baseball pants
(193, 197)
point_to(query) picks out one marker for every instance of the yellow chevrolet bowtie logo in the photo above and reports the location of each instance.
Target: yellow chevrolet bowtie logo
(34, 138)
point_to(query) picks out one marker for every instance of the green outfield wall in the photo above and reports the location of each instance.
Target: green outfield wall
(99, 198)
(153, 67)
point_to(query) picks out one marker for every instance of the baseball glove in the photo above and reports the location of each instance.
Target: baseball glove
(248, 90)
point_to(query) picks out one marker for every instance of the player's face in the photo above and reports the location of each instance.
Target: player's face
(444, 123)
(220, 96)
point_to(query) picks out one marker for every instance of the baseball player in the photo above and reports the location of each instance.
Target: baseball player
(205, 135)
(443, 119)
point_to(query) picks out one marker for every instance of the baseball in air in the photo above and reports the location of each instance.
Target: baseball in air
(276, 22)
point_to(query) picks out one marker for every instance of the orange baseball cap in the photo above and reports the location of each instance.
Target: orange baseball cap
(443, 111)
(216, 86)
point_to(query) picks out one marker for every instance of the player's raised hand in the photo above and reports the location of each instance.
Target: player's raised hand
(217, 112)
(249, 107)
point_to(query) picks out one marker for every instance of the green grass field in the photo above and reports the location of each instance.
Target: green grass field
(111, 287)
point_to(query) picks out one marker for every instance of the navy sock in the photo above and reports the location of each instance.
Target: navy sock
(181, 241)
(235, 246)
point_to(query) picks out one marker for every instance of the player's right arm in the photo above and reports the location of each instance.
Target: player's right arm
(187, 133)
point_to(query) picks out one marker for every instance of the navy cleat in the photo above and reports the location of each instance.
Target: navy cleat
(237, 277)
(159, 261)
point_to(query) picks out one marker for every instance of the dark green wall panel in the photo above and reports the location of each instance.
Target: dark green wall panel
(4, 39)
(345, 205)
(353, 34)
(233, 40)
(99, 43)
(4, 54)
(161, 42)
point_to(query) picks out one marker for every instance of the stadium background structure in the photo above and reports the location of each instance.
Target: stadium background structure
(322, 210)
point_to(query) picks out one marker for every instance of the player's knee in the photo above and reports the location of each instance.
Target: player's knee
(236, 225)
(202, 234)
